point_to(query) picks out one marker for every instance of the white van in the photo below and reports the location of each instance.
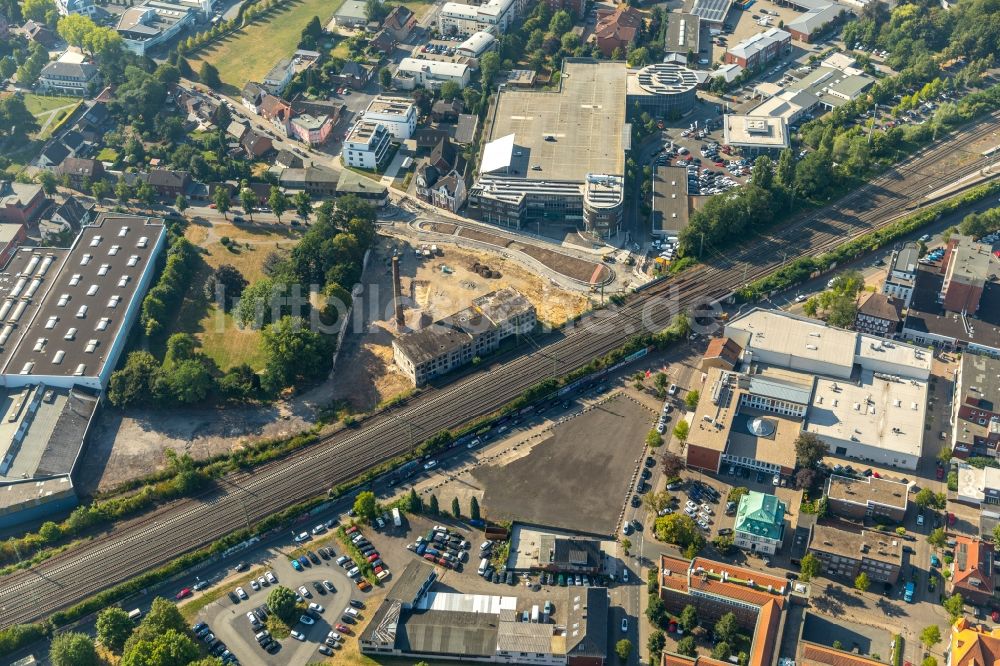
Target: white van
(483, 564)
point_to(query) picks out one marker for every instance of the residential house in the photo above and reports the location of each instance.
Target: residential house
(397, 114)
(310, 129)
(53, 155)
(902, 275)
(21, 203)
(288, 160)
(238, 129)
(445, 111)
(69, 78)
(973, 644)
(276, 80)
(37, 32)
(440, 181)
(256, 145)
(976, 407)
(400, 21)
(80, 171)
(384, 41)
(168, 182)
(465, 132)
(251, 95)
(355, 75)
(75, 143)
(618, 29)
(92, 122)
(318, 182)
(69, 217)
(879, 315)
(972, 571)
(846, 553)
(760, 523)
(275, 110)
(966, 268)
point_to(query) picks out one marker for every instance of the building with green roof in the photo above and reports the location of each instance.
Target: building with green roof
(760, 523)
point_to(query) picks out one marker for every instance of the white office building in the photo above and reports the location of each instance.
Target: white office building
(493, 16)
(397, 114)
(432, 73)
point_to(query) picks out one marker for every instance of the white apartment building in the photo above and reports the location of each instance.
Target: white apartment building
(396, 114)
(367, 145)
(902, 276)
(493, 16)
(432, 73)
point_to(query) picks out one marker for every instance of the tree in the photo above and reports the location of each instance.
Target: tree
(385, 78)
(687, 647)
(489, 65)
(954, 605)
(809, 567)
(474, 508)
(626, 544)
(366, 505)
(47, 180)
(75, 29)
(689, 618)
(726, 629)
(450, 90)
(657, 502)
(375, 10)
(929, 661)
(937, 537)
(169, 648)
(928, 498)
(282, 602)
(456, 510)
(785, 171)
(677, 528)
(691, 399)
(229, 280)
(135, 382)
(737, 493)
(181, 203)
(113, 628)
(560, 23)
(146, 194)
(660, 381)
(413, 502)
(653, 439)
(655, 644)
(277, 201)
(221, 200)
(186, 382)
(247, 200)
(804, 478)
(209, 75)
(809, 449)
(73, 649)
(672, 463)
(37, 10)
(763, 172)
(930, 636)
(638, 57)
(681, 431)
(623, 649)
(292, 352)
(303, 204)
(433, 507)
(861, 583)
(721, 651)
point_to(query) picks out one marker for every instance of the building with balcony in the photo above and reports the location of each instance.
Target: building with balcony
(396, 114)
(367, 146)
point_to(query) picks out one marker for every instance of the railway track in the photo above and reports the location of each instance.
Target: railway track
(244, 498)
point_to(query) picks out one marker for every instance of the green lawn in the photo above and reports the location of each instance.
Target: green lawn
(250, 53)
(39, 104)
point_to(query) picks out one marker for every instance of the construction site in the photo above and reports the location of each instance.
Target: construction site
(435, 281)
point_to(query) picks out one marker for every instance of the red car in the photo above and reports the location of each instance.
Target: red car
(183, 594)
(372, 557)
(939, 473)
(344, 629)
(995, 616)
(351, 530)
(951, 521)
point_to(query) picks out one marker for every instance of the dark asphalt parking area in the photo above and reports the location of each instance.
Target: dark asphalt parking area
(578, 477)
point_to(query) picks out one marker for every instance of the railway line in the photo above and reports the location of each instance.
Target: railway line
(244, 498)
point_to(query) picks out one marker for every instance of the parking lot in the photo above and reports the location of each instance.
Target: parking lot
(577, 476)
(442, 49)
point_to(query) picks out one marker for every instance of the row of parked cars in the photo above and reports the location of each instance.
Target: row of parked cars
(371, 555)
(302, 562)
(215, 647)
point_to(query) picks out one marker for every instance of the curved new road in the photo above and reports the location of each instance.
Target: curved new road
(243, 498)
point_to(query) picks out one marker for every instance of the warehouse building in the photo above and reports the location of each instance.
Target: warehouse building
(670, 201)
(713, 12)
(663, 90)
(476, 45)
(683, 33)
(557, 158)
(456, 340)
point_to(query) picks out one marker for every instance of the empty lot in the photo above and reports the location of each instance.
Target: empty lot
(578, 476)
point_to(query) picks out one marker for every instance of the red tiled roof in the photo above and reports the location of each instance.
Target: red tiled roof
(766, 635)
(976, 565)
(670, 659)
(819, 654)
(760, 578)
(623, 24)
(678, 568)
(725, 348)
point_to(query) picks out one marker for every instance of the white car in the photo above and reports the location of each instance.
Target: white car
(242, 594)
(255, 585)
(319, 529)
(304, 536)
(297, 635)
(672, 390)
(335, 636)
(430, 464)
(306, 620)
(703, 525)
(304, 592)
(624, 624)
(691, 505)
(316, 607)
(271, 578)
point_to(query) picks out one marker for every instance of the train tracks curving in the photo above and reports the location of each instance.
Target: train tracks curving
(244, 498)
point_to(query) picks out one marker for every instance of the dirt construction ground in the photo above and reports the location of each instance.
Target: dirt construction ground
(365, 372)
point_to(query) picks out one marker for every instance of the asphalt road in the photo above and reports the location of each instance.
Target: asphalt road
(177, 527)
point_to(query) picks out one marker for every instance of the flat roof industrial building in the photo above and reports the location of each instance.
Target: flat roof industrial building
(756, 133)
(712, 11)
(683, 33)
(544, 148)
(670, 200)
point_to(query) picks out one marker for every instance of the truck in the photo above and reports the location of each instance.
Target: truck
(397, 520)
(908, 592)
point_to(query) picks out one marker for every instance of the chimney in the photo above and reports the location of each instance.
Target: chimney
(397, 296)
